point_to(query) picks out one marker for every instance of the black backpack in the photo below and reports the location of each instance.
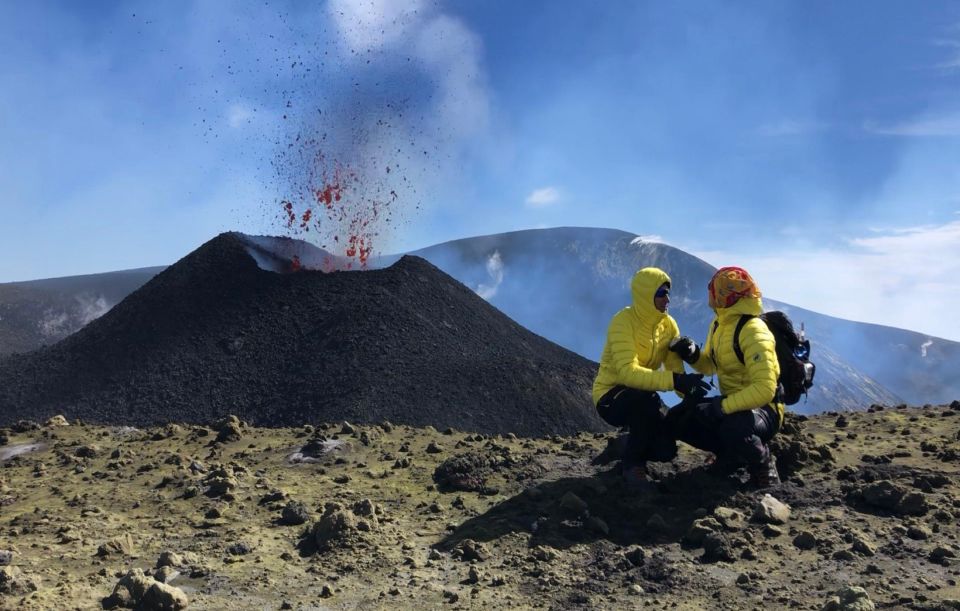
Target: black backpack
(793, 354)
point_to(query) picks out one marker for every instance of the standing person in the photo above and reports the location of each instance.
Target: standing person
(631, 372)
(737, 425)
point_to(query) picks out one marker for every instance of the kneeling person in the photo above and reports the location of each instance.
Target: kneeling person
(738, 424)
(632, 371)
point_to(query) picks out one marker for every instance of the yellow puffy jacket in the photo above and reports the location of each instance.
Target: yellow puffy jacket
(637, 341)
(750, 384)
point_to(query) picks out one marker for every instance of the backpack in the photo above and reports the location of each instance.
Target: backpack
(793, 354)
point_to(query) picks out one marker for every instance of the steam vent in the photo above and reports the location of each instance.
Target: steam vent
(239, 327)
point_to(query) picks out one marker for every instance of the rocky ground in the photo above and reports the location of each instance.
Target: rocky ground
(345, 516)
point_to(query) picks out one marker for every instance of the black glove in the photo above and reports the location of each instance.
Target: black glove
(687, 383)
(678, 416)
(710, 411)
(686, 348)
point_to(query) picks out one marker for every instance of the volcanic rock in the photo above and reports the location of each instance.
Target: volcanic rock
(805, 540)
(883, 494)
(771, 511)
(731, 519)
(142, 592)
(14, 582)
(214, 334)
(468, 550)
(122, 545)
(55, 421)
(862, 545)
(717, 547)
(168, 558)
(294, 513)
(229, 429)
(337, 528)
(165, 574)
(220, 482)
(852, 598)
(700, 529)
(469, 471)
(941, 553)
(919, 532)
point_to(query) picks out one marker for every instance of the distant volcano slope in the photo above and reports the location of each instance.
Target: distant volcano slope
(217, 334)
(42, 312)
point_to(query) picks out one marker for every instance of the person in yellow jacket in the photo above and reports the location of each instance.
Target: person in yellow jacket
(632, 371)
(736, 425)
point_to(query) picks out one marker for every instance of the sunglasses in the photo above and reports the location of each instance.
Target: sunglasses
(661, 293)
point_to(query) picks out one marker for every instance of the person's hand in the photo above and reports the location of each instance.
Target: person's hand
(710, 410)
(686, 349)
(687, 383)
(677, 416)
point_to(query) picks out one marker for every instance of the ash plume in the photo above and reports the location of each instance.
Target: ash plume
(376, 113)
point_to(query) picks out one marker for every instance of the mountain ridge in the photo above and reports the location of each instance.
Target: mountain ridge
(883, 365)
(216, 333)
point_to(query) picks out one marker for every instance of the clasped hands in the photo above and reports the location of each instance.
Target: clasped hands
(686, 349)
(692, 385)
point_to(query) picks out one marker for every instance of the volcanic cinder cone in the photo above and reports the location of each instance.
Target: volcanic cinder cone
(216, 334)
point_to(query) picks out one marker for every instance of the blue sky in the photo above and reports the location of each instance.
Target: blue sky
(750, 133)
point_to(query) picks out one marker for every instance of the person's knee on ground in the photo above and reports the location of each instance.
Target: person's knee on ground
(663, 448)
(640, 413)
(738, 444)
(743, 446)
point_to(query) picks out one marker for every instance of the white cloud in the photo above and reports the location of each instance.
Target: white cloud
(421, 95)
(945, 125)
(540, 198)
(790, 127)
(495, 271)
(443, 46)
(952, 62)
(453, 54)
(906, 278)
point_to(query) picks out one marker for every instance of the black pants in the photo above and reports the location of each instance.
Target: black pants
(641, 412)
(740, 438)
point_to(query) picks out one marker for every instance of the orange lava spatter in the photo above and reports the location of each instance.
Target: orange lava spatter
(332, 203)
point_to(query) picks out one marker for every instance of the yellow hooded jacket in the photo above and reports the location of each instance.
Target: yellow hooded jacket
(750, 384)
(638, 339)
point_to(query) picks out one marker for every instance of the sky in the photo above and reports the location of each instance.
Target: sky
(815, 143)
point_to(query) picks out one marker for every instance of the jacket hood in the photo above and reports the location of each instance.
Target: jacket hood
(643, 286)
(745, 305)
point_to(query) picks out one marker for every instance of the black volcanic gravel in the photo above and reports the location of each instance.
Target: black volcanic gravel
(214, 334)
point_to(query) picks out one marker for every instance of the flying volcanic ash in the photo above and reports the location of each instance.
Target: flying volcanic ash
(377, 116)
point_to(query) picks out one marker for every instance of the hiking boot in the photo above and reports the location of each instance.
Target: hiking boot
(718, 467)
(637, 478)
(764, 474)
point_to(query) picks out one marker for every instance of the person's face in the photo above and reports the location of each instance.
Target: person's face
(661, 299)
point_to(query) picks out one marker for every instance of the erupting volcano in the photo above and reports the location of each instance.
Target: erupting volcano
(332, 204)
(228, 329)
